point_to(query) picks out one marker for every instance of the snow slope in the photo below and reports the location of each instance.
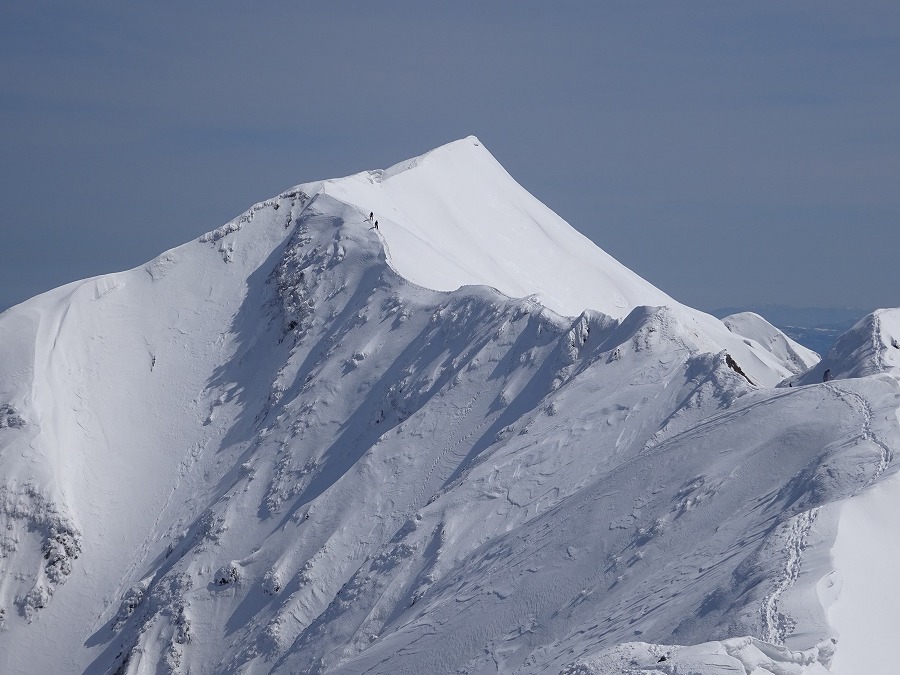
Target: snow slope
(865, 612)
(871, 347)
(455, 217)
(752, 326)
(469, 441)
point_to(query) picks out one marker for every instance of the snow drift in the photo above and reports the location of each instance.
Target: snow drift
(468, 441)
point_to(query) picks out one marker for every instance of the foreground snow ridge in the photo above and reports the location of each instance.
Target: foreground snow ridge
(468, 441)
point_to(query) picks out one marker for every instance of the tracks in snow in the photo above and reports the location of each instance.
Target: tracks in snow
(867, 433)
(777, 626)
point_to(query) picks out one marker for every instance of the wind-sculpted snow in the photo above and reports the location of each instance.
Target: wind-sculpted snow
(270, 450)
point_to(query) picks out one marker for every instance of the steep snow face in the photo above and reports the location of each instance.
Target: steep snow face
(866, 611)
(455, 217)
(753, 327)
(277, 449)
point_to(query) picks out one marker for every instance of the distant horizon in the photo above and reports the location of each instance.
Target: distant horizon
(779, 305)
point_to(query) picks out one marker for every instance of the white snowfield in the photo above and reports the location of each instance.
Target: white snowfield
(467, 442)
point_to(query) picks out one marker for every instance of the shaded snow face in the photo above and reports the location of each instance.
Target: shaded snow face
(269, 451)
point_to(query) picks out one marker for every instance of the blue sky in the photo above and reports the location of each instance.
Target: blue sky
(729, 153)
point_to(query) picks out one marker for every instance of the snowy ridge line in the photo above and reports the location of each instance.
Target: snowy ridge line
(870, 347)
(389, 260)
(877, 343)
(295, 194)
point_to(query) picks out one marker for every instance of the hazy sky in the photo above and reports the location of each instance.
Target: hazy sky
(730, 153)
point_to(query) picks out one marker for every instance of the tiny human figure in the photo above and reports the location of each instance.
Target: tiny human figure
(376, 224)
(371, 215)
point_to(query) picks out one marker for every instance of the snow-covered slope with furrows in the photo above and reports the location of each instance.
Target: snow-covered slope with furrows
(469, 441)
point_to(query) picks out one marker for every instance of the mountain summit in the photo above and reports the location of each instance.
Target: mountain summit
(454, 217)
(466, 441)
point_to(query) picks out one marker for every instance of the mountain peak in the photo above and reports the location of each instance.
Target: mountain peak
(454, 217)
(469, 147)
(301, 444)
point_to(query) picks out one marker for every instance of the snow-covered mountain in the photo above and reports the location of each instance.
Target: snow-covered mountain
(467, 441)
